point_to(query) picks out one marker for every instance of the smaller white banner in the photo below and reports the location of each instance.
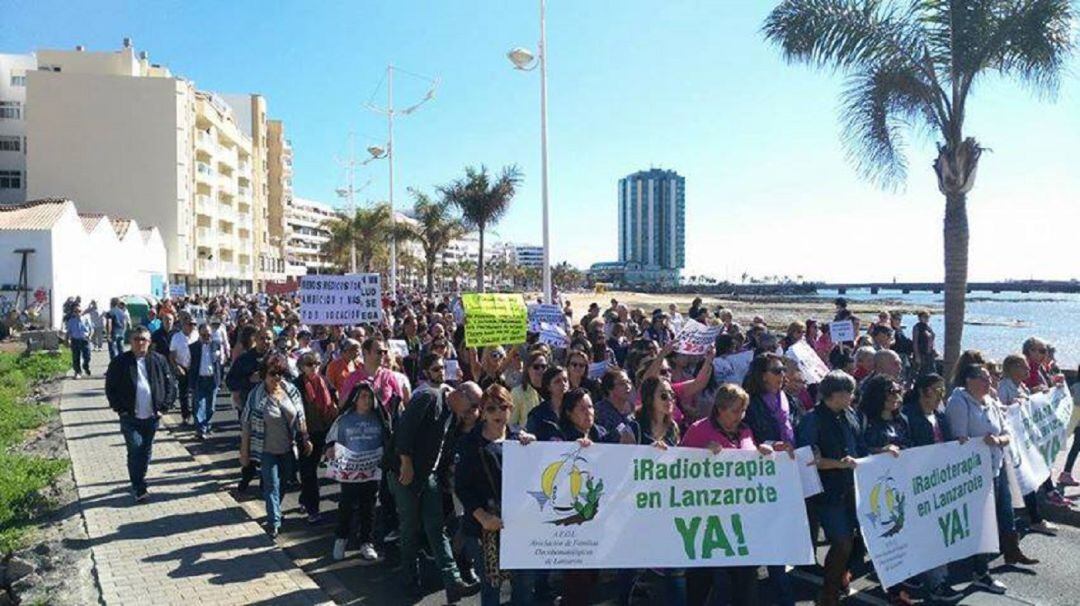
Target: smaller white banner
(348, 466)
(695, 338)
(808, 473)
(841, 331)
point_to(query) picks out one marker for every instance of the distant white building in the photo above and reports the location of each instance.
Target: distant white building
(92, 256)
(308, 231)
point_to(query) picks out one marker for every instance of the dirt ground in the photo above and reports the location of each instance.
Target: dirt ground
(59, 547)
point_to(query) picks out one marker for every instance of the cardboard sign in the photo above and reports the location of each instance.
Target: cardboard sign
(813, 369)
(842, 331)
(451, 370)
(553, 335)
(351, 299)
(597, 369)
(398, 348)
(494, 319)
(540, 313)
(177, 290)
(808, 473)
(695, 338)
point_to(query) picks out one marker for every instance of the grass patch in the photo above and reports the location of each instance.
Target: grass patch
(22, 476)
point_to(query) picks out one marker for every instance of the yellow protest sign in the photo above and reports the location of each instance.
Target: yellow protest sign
(494, 319)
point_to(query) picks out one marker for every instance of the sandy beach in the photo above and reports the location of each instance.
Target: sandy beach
(777, 311)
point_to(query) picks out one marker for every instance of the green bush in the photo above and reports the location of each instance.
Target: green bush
(22, 476)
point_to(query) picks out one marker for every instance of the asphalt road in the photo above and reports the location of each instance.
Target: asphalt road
(1056, 581)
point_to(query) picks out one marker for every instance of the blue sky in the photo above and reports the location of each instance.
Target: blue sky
(681, 84)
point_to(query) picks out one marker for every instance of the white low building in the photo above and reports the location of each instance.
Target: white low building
(92, 256)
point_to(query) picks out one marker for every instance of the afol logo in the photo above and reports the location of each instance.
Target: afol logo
(571, 490)
(886, 507)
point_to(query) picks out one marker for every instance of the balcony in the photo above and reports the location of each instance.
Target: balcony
(244, 166)
(204, 236)
(226, 212)
(228, 268)
(243, 221)
(243, 192)
(206, 268)
(205, 140)
(203, 204)
(204, 172)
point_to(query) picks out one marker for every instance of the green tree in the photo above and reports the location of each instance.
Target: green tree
(436, 228)
(913, 65)
(371, 230)
(483, 202)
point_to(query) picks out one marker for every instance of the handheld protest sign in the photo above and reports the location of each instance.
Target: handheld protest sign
(351, 299)
(494, 319)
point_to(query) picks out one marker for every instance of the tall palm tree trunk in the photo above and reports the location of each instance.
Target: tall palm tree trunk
(429, 272)
(956, 275)
(480, 264)
(956, 165)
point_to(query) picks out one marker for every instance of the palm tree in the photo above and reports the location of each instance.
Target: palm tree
(371, 230)
(436, 228)
(482, 202)
(913, 64)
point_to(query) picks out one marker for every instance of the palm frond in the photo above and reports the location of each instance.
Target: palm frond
(1033, 43)
(879, 104)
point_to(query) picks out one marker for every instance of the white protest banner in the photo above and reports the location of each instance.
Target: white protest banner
(1039, 427)
(553, 335)
(565, 506)
(808, 473)
(451, 370)
(841, 331)
(695, 338)
(399, 348)
(197, 313)
(812, 367)
(543, 312)
(351, 299)
(930, 506)
(349, 466)
(597, 369)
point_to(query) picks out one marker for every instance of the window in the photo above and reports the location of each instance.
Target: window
(11, 110)
(18, 80)
(10, 144)
(10, 179)
(48, 68)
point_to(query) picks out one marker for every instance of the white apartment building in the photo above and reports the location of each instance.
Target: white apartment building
(122, 136)
(13, 69)
(306, 223)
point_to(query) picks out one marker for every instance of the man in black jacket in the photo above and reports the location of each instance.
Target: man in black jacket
(418, 451)
(242, 378)
(140, 386)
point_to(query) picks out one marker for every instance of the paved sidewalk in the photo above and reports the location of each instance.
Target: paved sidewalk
(189, 543)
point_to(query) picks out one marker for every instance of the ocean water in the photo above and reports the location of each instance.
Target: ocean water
(997, 324)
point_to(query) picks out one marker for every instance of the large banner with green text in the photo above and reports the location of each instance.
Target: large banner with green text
(494, 319)
(618, 506)
(1038, 426)
(929, 506)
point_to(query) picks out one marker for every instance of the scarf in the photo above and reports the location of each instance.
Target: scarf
(322, 408)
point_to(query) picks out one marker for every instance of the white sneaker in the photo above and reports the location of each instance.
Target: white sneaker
(339, 549)
(367, 551)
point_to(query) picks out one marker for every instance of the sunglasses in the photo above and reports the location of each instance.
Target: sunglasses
(577, 365)
(275, 373)
(777, 371)
(667, 396)
(140, 339)
(539, 367)
(895, 391)
(665, 372)
(383, 352)
(498, 355)
(437, 368)
(1041, 350)
(503, 407)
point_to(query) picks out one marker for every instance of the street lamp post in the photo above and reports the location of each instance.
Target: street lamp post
(523, 60)
(390, 152)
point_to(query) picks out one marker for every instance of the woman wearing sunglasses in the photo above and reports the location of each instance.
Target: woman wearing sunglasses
(771, 420)
(478, 484)
(526, 395)
(577, 365)
(273, 419)
(655, 426)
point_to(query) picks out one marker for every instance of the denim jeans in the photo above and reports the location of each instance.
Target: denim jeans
(205, 390)
(183, 393)
(275, 468)
(521, 581)
(419, 507)
(116, 345)
(139, 438)
(980, 562)
(80, 350)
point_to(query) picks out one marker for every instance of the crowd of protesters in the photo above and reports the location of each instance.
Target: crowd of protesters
(435, 413)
